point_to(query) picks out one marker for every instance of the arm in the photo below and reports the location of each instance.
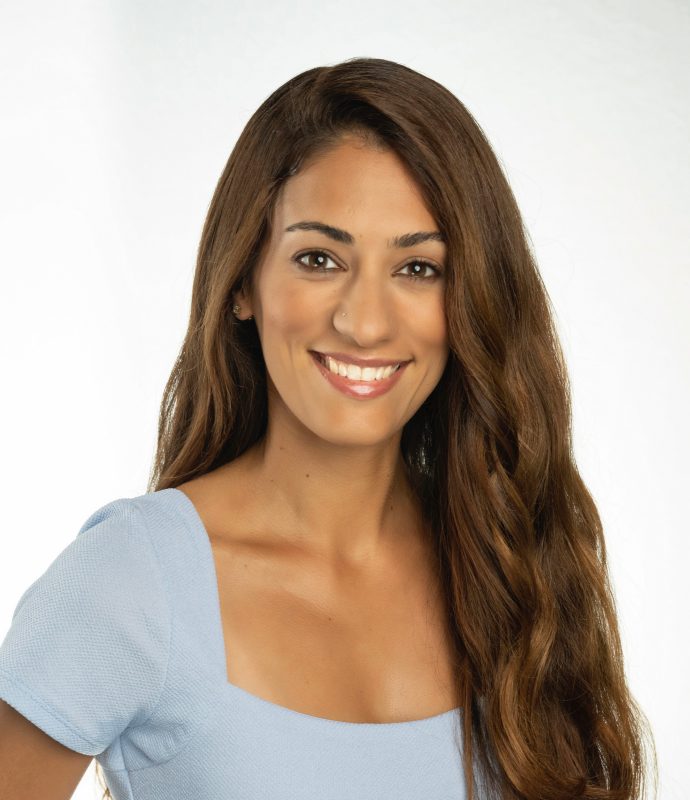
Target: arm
(32, 764)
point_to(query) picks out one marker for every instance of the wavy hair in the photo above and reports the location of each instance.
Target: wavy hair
(546, 711)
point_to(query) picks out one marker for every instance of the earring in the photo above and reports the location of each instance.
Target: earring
(236, 310)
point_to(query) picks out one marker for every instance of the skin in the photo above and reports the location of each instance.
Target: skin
(32, 764)
(314, 431)
(322, 557)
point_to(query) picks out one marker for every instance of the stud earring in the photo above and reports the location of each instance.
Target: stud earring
(236, 310)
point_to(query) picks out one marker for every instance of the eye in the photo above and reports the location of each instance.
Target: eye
(318, 257)
(419, 276)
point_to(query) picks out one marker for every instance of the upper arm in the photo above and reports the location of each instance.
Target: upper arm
(32, 764)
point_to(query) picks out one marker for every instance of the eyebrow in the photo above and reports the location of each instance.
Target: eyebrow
(339, 235)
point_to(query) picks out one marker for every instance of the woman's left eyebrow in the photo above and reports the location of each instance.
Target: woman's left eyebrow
(339, 235)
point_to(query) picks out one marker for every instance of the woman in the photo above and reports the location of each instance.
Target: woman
(366, 564)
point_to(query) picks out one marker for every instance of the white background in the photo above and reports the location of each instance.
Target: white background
(117, 120)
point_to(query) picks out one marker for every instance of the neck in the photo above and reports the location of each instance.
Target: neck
(349, 504)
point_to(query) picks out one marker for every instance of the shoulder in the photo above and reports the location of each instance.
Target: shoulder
(128, 516)
(111, 564)
(222, 500)
(139, 528)
(116, 538)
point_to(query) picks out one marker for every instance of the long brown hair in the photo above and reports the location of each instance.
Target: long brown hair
(520, 549)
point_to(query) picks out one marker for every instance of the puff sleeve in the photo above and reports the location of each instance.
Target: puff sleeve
(86, 653)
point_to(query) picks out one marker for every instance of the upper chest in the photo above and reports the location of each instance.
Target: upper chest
(359, 645)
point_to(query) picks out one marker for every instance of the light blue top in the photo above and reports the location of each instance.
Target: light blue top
(117, 651)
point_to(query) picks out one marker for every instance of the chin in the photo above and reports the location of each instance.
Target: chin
(354, 433)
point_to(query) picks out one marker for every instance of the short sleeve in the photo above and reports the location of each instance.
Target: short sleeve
(86, 653)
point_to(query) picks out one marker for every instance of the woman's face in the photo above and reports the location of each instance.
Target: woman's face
(352, 293)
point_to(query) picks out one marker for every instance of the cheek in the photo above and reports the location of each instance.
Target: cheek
(427, 323)
(288, 319)
(286, 306)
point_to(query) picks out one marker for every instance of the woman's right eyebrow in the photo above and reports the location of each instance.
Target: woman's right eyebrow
(339, 235)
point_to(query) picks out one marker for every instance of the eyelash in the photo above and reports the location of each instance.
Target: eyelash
(422, 261)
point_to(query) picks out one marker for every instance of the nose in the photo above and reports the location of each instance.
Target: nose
(365, 310)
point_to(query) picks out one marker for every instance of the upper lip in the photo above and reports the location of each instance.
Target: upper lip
(363, 362)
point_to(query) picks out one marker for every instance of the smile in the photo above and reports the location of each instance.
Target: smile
(355, 381)
(354, 372)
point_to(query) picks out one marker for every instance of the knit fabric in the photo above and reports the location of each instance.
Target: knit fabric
(117, 651)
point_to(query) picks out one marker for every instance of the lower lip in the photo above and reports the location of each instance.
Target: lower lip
(362, 390)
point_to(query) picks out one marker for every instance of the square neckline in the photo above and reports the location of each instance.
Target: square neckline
(196, 526)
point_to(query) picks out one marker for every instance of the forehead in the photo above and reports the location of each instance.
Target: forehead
(353, 182)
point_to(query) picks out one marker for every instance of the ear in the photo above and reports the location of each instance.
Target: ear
(243, 300)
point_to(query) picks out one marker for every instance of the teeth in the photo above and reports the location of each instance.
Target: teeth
(356, 373)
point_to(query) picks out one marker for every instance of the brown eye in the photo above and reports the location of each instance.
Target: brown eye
(418, 269)
(317, 258)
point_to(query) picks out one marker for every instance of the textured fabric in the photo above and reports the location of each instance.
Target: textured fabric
(117, 651)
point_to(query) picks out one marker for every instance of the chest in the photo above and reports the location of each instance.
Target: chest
(357, 646)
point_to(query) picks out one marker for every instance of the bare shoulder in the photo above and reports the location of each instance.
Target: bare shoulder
(221, 498)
